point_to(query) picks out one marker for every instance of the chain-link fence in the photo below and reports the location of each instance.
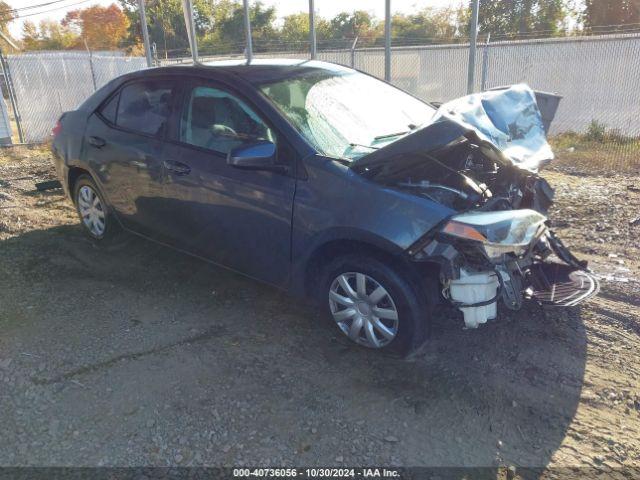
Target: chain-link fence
(597, 77)
(46, 84)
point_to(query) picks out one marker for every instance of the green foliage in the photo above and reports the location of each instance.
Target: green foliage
(6, 16)
(220, 26)
(596, 131)
(425, 26)
(596, 134)
(611, 12)
(522, 17)
(49, 35)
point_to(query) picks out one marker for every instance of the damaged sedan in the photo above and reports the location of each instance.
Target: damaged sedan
(331, 184)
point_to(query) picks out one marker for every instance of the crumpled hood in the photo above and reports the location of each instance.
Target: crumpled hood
(508, 118)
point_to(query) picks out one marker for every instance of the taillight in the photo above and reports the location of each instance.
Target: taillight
(56, 129)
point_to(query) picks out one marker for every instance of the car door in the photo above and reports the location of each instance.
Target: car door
(235, 217)
(123, 147)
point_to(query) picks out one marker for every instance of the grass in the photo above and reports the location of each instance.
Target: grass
(597, 151)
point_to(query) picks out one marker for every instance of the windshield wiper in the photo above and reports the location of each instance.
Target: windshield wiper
(364, 146)
(390, 135)
(412, 127)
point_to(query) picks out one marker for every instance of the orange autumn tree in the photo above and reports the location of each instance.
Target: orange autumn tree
(102, 28)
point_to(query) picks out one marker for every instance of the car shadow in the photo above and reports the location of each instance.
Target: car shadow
(504, 394)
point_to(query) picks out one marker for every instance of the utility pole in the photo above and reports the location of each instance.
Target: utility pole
(387, 40)
(312, 30)
(473, 45)
(247, 31)
(145, 33)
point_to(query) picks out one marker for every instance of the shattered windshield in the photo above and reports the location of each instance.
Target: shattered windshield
(347, 115)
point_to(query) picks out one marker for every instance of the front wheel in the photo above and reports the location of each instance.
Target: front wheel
(374, 304)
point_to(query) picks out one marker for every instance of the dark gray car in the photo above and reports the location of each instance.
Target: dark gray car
(323, 181)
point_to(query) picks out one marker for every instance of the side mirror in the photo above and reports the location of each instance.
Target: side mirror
(260, 155)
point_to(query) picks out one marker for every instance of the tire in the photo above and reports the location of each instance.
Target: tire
(410, 329)
(95, 217)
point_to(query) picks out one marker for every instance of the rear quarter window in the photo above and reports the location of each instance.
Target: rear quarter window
(110, 109)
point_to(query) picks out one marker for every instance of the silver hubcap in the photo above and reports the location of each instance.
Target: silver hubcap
(363, 310)
(91, 210)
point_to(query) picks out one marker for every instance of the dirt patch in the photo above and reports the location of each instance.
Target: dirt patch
(138, 355)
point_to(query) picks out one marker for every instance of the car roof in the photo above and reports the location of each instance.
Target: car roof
(260, 71)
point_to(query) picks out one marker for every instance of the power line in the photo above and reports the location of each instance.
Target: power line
(51, 9)
(29, 7)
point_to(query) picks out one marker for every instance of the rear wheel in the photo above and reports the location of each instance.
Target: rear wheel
(94, 214)
(375, 304)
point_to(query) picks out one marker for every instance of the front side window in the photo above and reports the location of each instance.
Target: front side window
(347, 114)
(218, 121)
(144, 107)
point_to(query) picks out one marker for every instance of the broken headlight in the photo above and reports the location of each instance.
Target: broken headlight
(498, 233)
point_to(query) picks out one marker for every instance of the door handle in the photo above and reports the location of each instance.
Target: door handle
(177, 168)
(97, 142)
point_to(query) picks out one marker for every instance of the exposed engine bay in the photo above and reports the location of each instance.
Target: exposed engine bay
(498, 246)
(469, 175)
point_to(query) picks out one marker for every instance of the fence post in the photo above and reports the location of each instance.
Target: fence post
(387, 40)
(312, 30)
(353, 52)
(93, 73)
(247, 31)
(12, 97)
(473, 44)
(485, 64)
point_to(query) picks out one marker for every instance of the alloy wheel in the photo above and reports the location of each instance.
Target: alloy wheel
(91, 210)
(363, 309)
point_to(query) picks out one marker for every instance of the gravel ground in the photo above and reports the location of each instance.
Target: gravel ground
(138, 355)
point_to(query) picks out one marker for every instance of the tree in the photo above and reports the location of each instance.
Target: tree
(30, 36)
(48, 35)
(427, 26)
(227, 34)
(295, 28)
(165, 22)
(102, 28)
(598, 13)
(360, 23)
(521, 17)
(6, 16)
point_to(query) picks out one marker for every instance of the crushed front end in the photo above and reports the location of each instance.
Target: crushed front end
(507, 256)
(480, 158)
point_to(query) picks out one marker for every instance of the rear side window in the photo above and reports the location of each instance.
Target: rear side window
(144, 107)
(109, 109)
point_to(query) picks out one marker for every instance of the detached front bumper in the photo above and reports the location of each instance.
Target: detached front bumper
(548, 274)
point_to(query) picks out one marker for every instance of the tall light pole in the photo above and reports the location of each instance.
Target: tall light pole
(247, 31)
(187, 10)
(473, 45)
(387, 40)
(145, 33)
(312, 30)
